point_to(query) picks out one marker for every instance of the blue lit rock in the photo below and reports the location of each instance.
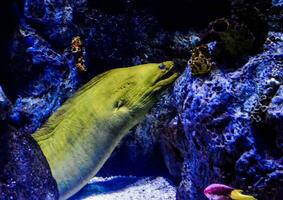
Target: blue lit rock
(48, 89)
(5, 105)
(25, 173)
(276, 15)
(231, 135)
(275, 115)
(277, 3)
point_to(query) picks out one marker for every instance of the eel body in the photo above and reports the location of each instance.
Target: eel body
(81, 135)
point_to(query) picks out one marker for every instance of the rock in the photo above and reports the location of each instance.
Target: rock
(275, 16)
(24, 172)
(224, 144)
(50, 86)
(7, 11)
(277, 3)
(274, 116)
(5, 105)
(263, 5)
(127, 188)
(242, 34)
(186, 13)
(256, 22)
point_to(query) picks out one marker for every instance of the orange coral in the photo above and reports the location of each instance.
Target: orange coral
(77, 49)
(201, 62)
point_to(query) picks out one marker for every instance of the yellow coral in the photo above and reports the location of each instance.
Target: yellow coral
(77, 50)
(200, 62)
(76, 44)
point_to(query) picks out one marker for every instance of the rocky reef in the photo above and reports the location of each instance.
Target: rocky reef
(224, 126)
(230, 136)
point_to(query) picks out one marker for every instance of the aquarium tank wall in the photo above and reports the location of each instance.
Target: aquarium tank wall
(141, 100)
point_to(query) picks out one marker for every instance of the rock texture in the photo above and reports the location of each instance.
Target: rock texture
(276, 16)
(230, 136)
(5, 105)
(24, 173)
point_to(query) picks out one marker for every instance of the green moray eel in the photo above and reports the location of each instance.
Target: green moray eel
(81, 135)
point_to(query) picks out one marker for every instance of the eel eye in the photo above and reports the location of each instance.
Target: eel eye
(162, 66)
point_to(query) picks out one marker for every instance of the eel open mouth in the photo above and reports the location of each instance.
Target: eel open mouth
(174, 70)
(166, 79)
(170, 73)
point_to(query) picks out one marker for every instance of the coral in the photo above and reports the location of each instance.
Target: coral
(201, 62)
(78, 50)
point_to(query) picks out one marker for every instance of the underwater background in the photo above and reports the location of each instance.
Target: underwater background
(221, 122)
